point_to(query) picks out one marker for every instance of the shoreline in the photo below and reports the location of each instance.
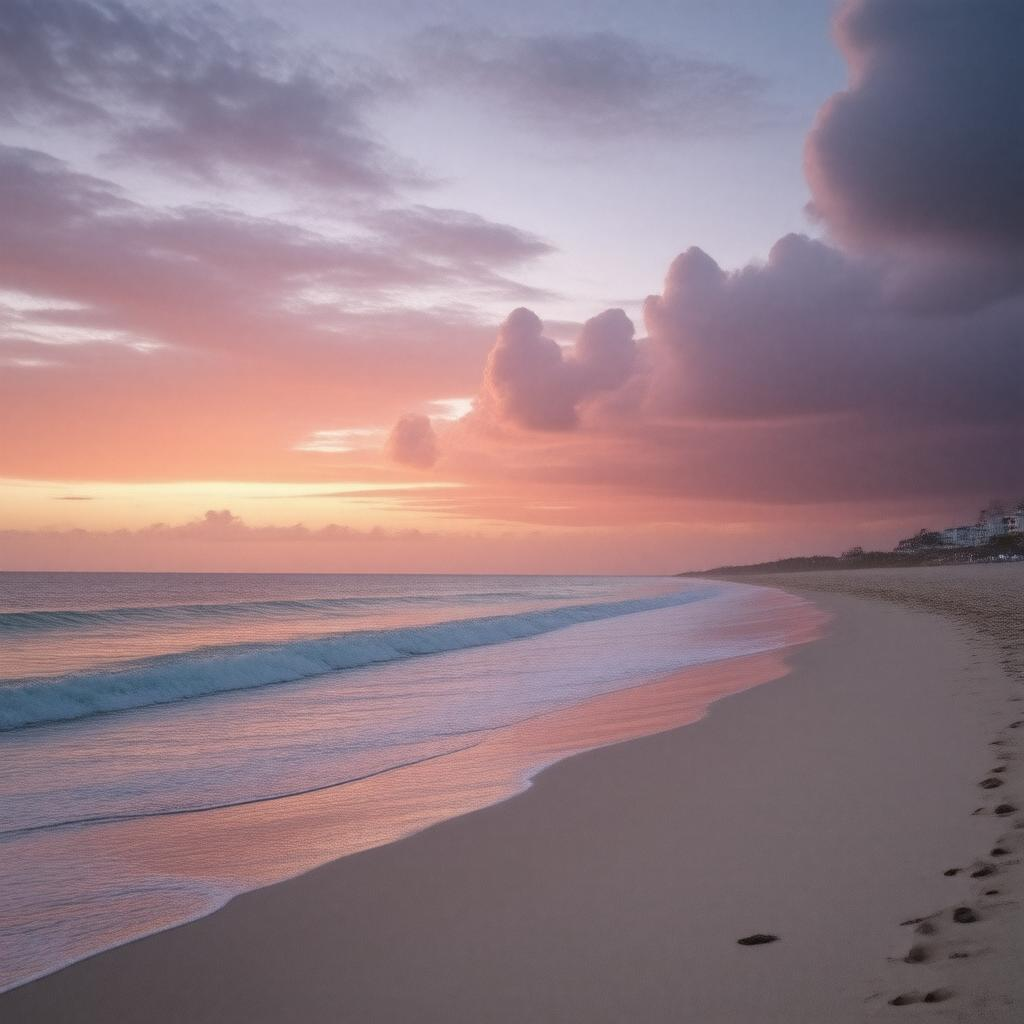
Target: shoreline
(617, 884)
(203, 856)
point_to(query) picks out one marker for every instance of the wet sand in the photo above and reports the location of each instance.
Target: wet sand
(824, 808)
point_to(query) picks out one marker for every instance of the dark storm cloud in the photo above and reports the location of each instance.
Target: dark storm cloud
(927, 142)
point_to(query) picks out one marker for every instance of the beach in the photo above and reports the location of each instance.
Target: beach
(509, 513)
(837, 808)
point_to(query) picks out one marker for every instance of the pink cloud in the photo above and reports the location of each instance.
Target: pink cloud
(227, 301)
(803, 379)
(530, 382)
(883, 364)
(412, 441)
(220, 541)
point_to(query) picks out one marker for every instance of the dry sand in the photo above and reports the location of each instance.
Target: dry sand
(824, 808)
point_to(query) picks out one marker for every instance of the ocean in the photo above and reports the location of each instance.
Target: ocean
(170, 741)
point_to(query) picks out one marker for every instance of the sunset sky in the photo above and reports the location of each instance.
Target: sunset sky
(472, 287)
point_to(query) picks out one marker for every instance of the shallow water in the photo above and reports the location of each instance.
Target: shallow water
(116, 825)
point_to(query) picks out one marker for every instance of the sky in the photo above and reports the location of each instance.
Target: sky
(467, 287)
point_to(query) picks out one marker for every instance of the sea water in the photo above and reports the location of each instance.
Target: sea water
(169, 741)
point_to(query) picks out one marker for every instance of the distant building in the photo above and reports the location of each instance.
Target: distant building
(965, 536)
(991, 523)
(1014, 522)
(999, 523)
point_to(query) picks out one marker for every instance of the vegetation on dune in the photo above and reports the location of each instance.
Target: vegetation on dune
(998, 549)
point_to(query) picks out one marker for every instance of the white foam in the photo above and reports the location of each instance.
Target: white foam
(169, 678)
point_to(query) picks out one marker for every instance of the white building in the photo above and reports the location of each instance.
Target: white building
(1000, 523)
(965, 536)
(989, 525)
(1014, 522)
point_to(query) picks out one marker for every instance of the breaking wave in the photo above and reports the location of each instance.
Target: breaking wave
(166, 679)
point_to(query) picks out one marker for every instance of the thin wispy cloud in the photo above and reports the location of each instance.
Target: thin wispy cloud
(199, 91)
(79, 238)
(591, 83)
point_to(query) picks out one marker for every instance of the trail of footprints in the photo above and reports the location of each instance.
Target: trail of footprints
(946, 934)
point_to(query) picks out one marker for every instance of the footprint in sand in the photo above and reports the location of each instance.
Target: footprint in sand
(906, 998)
(917, 954)
(938, 995)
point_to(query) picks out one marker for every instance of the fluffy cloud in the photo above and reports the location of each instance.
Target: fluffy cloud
(591, 83)
(199, 91)
(799, 380)
(527, 380)
(812, 332)
(883, 364)
(530, 382)
(412, 441)
(924, 150)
